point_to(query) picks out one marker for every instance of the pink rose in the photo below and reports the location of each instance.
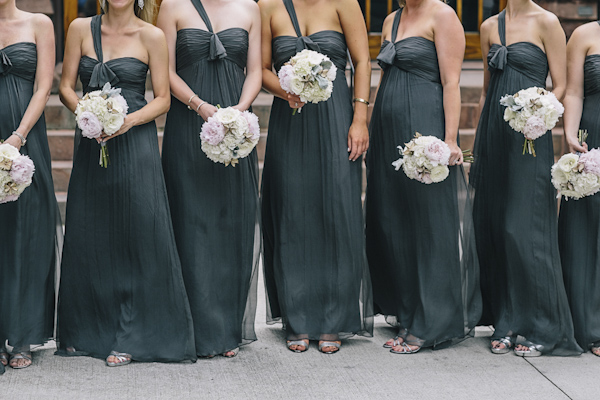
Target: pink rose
(22, 170)
(212, 132)
(89, 124)
(285, 77)
(253, 125)
(591, 161)
(439, 152)
(534, 128)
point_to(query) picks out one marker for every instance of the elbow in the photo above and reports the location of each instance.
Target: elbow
(166, 106)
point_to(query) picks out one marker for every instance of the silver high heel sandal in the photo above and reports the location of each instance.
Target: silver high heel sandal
(533, 350)
(507, 341)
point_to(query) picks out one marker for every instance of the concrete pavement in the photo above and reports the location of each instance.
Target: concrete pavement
(361, 370)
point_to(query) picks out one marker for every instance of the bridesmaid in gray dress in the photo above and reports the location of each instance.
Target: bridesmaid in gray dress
(29, 225)
(214, 207)
(122, 296)
(579, 221)
(515, 203)
(420, 241)
(315, 269)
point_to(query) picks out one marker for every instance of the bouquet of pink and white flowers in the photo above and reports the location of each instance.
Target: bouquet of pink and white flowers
(532, 112)
(308, 74)
(16, 172)
(101, 111)
(229, 135)
(577, 175)
(425, 158)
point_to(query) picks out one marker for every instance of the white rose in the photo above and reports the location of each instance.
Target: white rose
(568, 162)
(439, 173)
(559, 177)
(113, 122)
(8, 151)
(227, 116)
(297, 85)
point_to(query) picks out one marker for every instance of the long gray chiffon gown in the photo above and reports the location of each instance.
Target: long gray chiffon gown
(579, 228)
(214, 208)
(316, 274)
(29, 225)
(420, 240)
(121, 284)
(515, 212)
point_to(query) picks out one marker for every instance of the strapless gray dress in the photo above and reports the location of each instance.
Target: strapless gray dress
(31, 225)
(515, 212)
(121, 284)
(214, 208)
(315, 269)
(420, 239)
(579, 228)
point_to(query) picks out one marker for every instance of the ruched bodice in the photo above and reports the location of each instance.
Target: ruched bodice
(413, 54)
(591, 69)
(127, 73)
(330, 43)
(525, 57)
(19, 59)
(194, 46)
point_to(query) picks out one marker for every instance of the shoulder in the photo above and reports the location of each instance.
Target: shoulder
(248, 5)
(345, 5)
(268, 5)
(40, 21)
(585, 34)
(443, 12)
(80, 26)
(489, 25)
(151, 34)
(547, 19)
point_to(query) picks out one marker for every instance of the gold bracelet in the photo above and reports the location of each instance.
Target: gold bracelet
(360, 100)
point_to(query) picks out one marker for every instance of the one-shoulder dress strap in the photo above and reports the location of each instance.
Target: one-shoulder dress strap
(502, 27)
(203, 14)
(97, 35)
(289, 5)
(395, 25)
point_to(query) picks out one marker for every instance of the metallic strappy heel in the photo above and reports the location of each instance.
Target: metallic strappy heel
(329, 344)
(123, 359)
(299, 342)
(507, 341)
(534, 350)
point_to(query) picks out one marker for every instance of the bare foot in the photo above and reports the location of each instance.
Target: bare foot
(405, 348)
(596, 351)
(397, 341)
(116, 359)
(4, 357)
(496, 344)
(231, 353)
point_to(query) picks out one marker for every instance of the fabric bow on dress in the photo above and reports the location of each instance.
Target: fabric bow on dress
(499, 59)
(217, 50)
(387, 55)
(5, 65)
(101, 75)
(304, 42)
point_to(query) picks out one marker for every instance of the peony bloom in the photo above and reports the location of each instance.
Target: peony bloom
(22, 170)
(591, 161)
(534, 128)
(89, 124)
(212, 132)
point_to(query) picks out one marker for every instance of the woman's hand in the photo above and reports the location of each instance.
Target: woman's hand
(294, 101)
(128, 123)
(575, 147)
(456, 154)
(206, 111)
(14, 140)
(358, 140)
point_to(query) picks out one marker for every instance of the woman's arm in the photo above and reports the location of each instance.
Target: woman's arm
(44, 39)
(449, 38)
(555, 45)
(270, 81)
(71, 63)
(154, 41)
(485, 29)
(355, 32)
(167, 21)
(253, 81)
(577, 50)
